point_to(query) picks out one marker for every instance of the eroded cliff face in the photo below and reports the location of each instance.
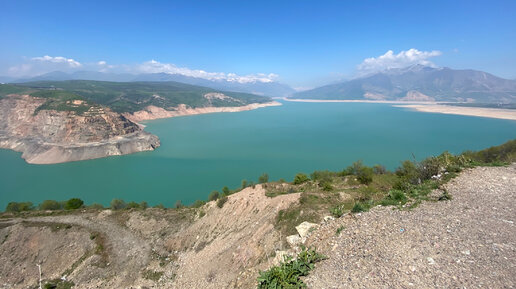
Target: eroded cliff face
(50, 136)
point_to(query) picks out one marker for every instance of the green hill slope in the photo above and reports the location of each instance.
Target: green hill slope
(130, 96)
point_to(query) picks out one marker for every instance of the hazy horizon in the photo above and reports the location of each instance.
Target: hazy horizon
(300, 44)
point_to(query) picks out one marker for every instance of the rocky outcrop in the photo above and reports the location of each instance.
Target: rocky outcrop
(50, 136)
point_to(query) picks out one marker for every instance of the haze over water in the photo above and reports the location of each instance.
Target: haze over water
(202, 153)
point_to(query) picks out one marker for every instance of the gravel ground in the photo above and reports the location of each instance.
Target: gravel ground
(468, 242)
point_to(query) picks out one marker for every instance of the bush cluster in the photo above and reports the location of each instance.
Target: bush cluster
(300, 178)
(288, 273)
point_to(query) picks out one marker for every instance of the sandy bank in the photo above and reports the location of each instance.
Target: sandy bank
(153, 112)
(462, 110)
(430, 106)
(359, 100)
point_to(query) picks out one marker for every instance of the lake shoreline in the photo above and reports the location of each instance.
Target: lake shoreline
(429, 106)
(498, 113)
(154, 112)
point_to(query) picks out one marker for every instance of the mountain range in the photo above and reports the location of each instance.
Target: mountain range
(274, 89)
(420, 83)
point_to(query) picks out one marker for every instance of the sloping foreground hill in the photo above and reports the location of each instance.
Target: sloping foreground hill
(420, 83)
(53, 122)
(466, 242)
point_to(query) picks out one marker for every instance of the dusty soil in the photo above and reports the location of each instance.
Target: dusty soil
(468, 242)
(150, 248)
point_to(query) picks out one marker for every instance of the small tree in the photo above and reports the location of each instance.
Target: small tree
(19, 207)
(144, 205)
(379, 170)
(117, 204)
(197, 204)
(264, 178)
(225, 191)
(178, 204)
(222, 201)
(244, 184)
(300, 178)
(213, 196)
(365, 175)
(133, 205)
(50, 205)
(73, 204)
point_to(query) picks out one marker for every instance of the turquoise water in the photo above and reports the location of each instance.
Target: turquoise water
(202, 153)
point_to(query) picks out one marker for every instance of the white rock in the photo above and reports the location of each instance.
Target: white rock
(305, 228)
(280, 257)
(328, 218)
(430, 260)
(294, 240)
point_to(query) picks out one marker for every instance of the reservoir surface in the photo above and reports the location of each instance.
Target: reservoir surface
(202, 153)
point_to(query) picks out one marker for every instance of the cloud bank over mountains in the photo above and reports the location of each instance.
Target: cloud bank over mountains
(390, 60)
(39, 65)
(35, 66)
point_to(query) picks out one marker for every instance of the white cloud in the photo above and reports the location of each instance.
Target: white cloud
(44, 64)
(390, 60)
(59, 59)
(154, 66)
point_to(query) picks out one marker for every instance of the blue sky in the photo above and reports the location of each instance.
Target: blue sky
(304, 43)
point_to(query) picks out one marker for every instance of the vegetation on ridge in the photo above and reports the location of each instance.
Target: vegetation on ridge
(127, 96)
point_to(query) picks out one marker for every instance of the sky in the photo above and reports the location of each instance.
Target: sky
(302, 43)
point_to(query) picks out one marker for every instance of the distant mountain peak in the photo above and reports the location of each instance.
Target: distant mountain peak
(421, 83)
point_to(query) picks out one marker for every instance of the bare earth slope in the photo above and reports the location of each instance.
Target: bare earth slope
(468, 242)
(150, 248)
(51, 136)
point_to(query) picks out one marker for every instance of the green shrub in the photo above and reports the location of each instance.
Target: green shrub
(213, 196)
(394, 197)
(144, 205)
(132, 205)
(58, 284)
(288, 273)
(379, 170)
(244, 184)
(337, 211)
(222, 201)
(159, 206)
(96, 206)
(300, 178)
(226, 191)
(264, 178)
(14, 207)
(429, 167)
(409, 172)
(505, 153)
(322, 176)
(198, 204)
(178, 204)
(73, 204)
(50, 205)
(365, 175)
(339, 230)
(360, 207)
(326, 186)
(117, 204)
